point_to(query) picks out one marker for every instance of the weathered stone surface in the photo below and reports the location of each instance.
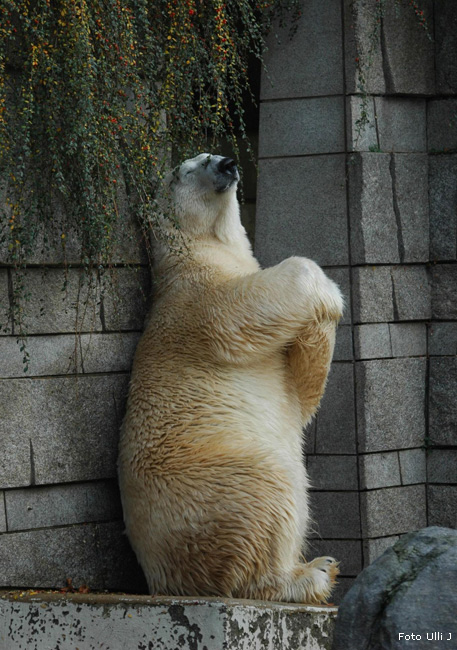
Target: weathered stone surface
(379, 470)
(336, 515)
(126, 302)
(444, 291)
(401, 124)
(61, 354)
(335, 426)
(441, 125)
(347, 552)
(333, 472)
(59, 301)
(446, 46)
(442, 339)
(300, 127)
(2, 513)
(120, 621)
(247, 214)
(390, 404)
(443, 402)
(442, 466)
(412, 466)
(399, 594)
(363, 47)
(5, 323)
(408, 339)
(411, 293)
(442, 505)
(373, 548)
(342, 277)
(443, 207)
(343, 344)
(372, 294)
(62, 504)
(374, 227)
(57, 430)
(361, 120)
(408, 50)
(284, 228)
(310, 62)
(409, 175)
(393, 511)
(372, 341)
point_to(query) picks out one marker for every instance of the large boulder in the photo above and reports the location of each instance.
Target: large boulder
(406, 599)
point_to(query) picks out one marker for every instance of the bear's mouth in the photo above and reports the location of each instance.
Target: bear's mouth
(227, 175)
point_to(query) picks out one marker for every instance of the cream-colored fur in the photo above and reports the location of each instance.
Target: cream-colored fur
(231, 366)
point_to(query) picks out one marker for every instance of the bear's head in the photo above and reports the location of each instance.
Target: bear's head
(203, 193)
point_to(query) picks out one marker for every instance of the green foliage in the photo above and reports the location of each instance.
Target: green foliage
(94, 96)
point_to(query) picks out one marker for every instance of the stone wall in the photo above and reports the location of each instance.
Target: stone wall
(377, 207)
(375, 203)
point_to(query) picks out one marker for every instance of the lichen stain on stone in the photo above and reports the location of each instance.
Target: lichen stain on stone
(194, 635)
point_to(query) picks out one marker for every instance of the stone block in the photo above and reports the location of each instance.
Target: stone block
(372, 341)
(409, 174)
(411, 293)
(361, 124)
(343, 344)
(333, 472)
(442, 505)
(374, 548)
(442, 339)
(57, 430)
(442, 401)
(5, 321)
(408, 50)
(127, 299)
(390, 404)
(362, 49)
(120, 569)
(59, 505)
(443, 207)
(444, 291)
(408, 339)
(442, 466)
(342, 278)
(310, 62)
(441, 125)
(372, 294)
(2, 513)
(393, 511)
(347, 552)
(412, 466)
(301, 127)
(55, 301)
(115, 621)
(301, 210)
(62, 354)
(335, 426)
(45, 558)
(446, 47)
(401, 124)
(379, 470)
(336, 515)
(374, 223)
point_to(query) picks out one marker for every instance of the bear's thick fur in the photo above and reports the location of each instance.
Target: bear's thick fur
(231, 366)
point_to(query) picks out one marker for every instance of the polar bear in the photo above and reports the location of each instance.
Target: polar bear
(230, 368)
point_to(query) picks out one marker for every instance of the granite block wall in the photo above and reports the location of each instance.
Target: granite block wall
(357, 170)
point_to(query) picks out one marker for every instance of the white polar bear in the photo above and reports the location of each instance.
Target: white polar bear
(231, 366)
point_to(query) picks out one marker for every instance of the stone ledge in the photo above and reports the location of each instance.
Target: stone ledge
(35, 621)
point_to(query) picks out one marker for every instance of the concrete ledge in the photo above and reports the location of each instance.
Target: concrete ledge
(39, 621)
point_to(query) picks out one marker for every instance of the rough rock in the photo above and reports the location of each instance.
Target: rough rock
(409, 590)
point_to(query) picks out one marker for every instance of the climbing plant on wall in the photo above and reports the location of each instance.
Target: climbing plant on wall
(94, 95)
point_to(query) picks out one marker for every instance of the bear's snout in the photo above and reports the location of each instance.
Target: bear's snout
(227, 166)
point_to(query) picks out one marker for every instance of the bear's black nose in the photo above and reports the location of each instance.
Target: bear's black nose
(227, 165)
